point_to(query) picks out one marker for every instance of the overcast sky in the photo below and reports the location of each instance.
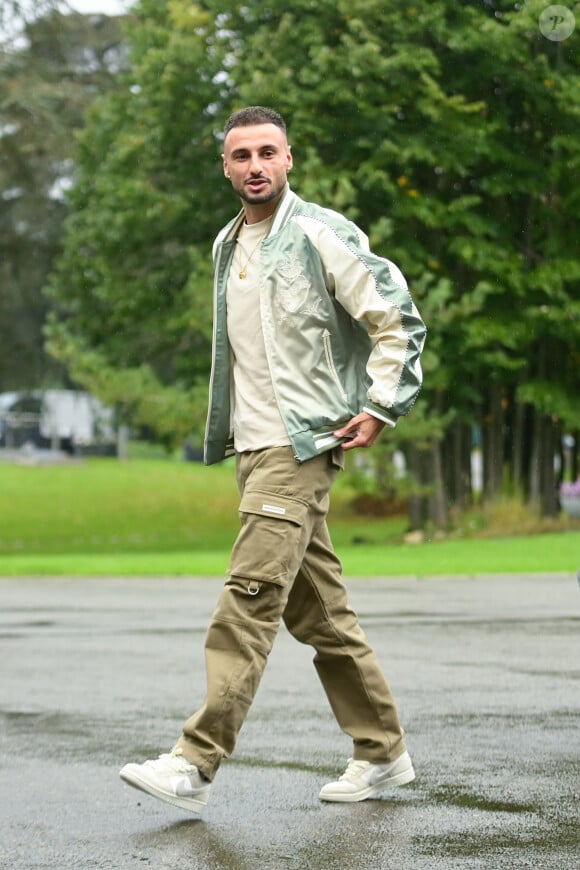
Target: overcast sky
(11, 28)
(109, 7)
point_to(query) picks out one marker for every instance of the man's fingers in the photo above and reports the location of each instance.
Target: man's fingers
(361, 431)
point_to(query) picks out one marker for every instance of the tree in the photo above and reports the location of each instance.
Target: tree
(423, 105)
(50, 74)
(132, 294)
(447, 130)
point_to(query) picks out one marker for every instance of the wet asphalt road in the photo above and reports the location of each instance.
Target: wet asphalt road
(486, 672)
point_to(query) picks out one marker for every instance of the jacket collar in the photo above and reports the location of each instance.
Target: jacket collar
(281, 216)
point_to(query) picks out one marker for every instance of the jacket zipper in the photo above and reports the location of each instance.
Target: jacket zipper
(330, 362)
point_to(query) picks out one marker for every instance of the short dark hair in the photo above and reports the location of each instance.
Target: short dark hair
(253, 115)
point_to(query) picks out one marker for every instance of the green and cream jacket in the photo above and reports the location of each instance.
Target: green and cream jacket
(341, 331)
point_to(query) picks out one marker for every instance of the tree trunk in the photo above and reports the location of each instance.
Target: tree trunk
(549, 497)
(428, 503)
(534, 480)
(493, 449)
(456, 460)
(574, 469)
(414, 457)
(437, 501)
(518, 449)
(542, 486)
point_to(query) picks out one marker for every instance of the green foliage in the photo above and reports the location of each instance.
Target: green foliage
(460, 126)
(447, 130)
(49, 76)
(174, 412)
(134, 281)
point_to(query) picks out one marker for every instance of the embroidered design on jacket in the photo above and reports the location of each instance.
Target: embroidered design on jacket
(292, 295)
(293, 290)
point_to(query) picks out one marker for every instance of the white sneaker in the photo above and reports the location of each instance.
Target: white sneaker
(170, 778)
(362, 780)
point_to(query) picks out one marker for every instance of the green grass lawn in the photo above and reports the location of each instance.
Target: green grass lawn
(108, 506)
(163, 517)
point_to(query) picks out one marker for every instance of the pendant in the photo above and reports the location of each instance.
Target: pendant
(243, 274)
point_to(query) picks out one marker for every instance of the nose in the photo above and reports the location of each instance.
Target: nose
(255, 165)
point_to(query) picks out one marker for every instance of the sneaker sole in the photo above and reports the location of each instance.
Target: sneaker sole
(184, 803)
(402, 778)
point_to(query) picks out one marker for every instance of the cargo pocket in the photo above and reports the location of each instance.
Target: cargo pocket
(273, 538)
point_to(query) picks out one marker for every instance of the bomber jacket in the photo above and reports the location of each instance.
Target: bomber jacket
(341, 331)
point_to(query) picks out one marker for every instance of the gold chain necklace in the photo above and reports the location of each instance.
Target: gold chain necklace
(243, 273)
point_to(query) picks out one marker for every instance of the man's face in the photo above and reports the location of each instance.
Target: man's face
(257, 160)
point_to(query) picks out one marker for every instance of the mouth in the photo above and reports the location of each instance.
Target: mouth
(256, 185)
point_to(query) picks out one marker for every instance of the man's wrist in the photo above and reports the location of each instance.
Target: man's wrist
(380, 414)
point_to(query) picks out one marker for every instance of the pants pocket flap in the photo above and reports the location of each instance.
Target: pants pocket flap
(269, 504)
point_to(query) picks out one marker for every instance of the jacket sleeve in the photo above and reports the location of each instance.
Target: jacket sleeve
(374, 292)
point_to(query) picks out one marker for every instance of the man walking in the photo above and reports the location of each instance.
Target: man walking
(316, 349)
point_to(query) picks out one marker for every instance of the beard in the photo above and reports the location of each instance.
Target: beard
(261, 198)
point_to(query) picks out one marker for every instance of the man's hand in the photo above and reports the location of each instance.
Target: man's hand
(362, 431)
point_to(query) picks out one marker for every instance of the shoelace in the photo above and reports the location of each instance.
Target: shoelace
(176, 761)
(353, 768)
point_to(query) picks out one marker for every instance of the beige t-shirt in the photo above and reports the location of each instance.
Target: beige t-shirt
(257, 421)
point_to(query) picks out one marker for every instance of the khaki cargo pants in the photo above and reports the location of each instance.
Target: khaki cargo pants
(283, 567)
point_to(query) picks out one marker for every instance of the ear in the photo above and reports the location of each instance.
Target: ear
(226, 173)
(290, 159)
